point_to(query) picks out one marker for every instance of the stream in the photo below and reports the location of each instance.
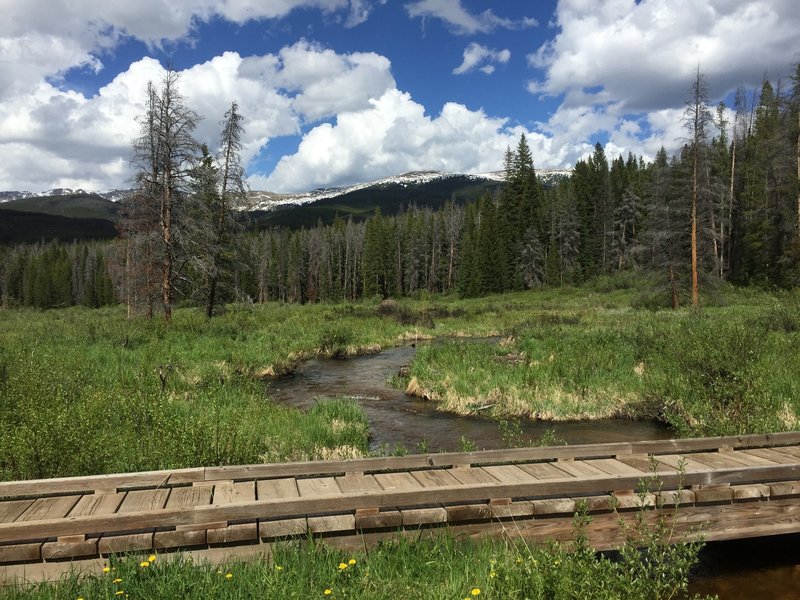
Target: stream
(736, 570)
(397, 419)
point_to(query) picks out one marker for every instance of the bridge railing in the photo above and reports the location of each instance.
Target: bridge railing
(179, 477)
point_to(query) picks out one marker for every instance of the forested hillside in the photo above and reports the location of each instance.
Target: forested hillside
(726, 208)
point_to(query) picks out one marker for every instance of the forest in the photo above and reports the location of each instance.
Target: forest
(725, 209)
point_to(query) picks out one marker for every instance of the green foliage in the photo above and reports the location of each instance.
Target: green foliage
(431, 569)
(334, 340)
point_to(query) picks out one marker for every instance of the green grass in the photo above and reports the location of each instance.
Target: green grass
(81, 390)
(431, 569)
(726, 370)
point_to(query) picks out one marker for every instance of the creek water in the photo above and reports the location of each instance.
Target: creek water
(738, 570)
(397, 419)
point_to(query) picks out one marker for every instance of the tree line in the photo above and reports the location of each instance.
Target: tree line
(726, 207)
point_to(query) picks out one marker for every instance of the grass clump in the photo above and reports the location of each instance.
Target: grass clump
(429, 569)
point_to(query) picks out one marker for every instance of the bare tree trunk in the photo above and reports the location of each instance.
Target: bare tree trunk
(673, 287)
(166, 264)
(695, 288)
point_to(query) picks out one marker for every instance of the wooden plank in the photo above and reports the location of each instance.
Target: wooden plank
(784, 488)
(509, 474)
(544, 471)
(277, 489)
(397, 481)
(184, 497)
(435, 478)
(553, 506)
(49, 508)
(140, 537)
(318, 486)
(10, 510)
(712, 493)
(578, 468)
(112, 482)
(517, 509)
(771, 455)
(683, 462)
(750, 491)
(400, 497)
(358, 483)
(474, 511)
(717, 460)
(40, 509)
(89, 504)
(644, 463)
(230, 495)
(472, 476)
(325, 487)
(750, 459)
(612, 466)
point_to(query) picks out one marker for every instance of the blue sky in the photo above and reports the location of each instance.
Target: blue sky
(343, 91)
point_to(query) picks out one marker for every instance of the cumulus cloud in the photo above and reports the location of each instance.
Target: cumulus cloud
(72, 140)
(481, 58)
(44, 38)
(460, 20)
(394, 135)
(617, 63)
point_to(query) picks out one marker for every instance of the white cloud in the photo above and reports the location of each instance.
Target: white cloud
(394, 135)
(460, 20)
(476, 55)
(51, 137)
(45, 38)
(619, 62)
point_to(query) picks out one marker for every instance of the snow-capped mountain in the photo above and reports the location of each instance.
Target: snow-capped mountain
(272, 201)
(113, 195)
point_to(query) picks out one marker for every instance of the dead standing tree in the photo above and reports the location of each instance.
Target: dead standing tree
(164, 155)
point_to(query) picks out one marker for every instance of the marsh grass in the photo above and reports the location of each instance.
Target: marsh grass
(87, 391)
(440, 568)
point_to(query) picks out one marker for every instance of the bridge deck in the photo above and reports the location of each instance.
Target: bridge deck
(726, 487)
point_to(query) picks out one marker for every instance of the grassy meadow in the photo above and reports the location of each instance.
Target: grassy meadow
(440, 568)
(88, 391)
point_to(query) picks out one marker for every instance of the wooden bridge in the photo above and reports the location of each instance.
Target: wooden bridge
(722, 488)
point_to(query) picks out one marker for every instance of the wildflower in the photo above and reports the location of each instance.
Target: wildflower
(476, 591)
(117, 580)
(229, 576)
(278, 568)
(342, 566)
(106, 569)
(492, 575)
(351, 562)
(151, 558)
(144, 564)
(328, 591)
(119, 593)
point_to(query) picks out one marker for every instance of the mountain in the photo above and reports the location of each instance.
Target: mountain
(77, 204)
(267, 209)
(421, 188)
(113, 195)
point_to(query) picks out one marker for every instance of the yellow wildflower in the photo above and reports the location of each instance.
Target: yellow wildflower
(342, 566)
(151, 558)
(278, 568)
(106, 569)
(492, 575)
(117, 580)
(228, 575)
(351, 562)
(476, 591)
(119, 593)
(328, 591)
(144, 564)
